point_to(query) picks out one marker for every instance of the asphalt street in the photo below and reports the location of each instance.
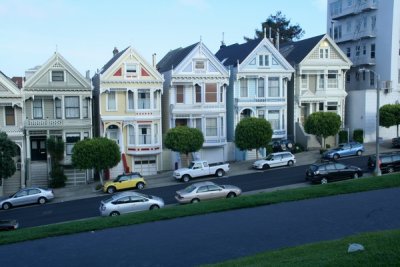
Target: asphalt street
(215, 237)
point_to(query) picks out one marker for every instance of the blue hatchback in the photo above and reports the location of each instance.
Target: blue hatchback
(344, 149)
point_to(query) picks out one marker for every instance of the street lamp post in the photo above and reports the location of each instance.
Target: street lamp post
(377, 171)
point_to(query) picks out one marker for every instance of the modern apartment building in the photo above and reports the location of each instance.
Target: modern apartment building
(368, 32)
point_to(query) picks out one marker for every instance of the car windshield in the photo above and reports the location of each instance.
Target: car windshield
(313, 167)
(189, 189)
(269, 157)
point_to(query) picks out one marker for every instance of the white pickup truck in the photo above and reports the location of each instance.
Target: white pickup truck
(200, 168)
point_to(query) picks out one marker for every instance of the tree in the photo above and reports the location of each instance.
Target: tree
(253, 133)
(322, 124)
(99, 153)
(184, 140)
(8, 150)
(279, 23)
(389, 115)
(56, 151)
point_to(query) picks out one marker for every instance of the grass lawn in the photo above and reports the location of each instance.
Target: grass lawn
(92, 224)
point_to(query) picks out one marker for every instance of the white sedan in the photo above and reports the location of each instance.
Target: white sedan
(26, 196)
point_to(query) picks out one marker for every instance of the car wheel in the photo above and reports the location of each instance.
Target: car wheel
(265, 166)
(154, 207)
(114, 213)
(290, 163)
(140, 185)
(6, 206)
(359, 153)
(324, 181)
(111, 189)
(336, 156)
(195, 200)
(355, 175)
(231, 194)
(42, 200)
(220, 173)
(186, 178)
(390, 170)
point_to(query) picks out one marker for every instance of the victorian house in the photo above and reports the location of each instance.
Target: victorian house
(57, 103)
(195, 96)
(11, 122)
(318, 84)
(258, 87)
(128, 92)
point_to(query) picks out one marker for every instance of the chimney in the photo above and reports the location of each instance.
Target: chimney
(277, 40)
(115, 51)
(154, 60)
(223, 41)
(88, 74)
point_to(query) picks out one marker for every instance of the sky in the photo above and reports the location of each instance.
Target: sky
(85, 32)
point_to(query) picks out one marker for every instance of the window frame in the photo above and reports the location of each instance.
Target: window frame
(211, 129)
(57, 78)
(73, 109)
(37, 108)
(9, 114)
(131, 70)
(180, 94)
(211, 93)
(110, 101)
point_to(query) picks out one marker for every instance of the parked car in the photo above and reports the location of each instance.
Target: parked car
(345, 149)
(282, 145)
(7, 225)
(325, 172)
(125, 181)
(396, 142)
(201, 168)
(206, 190)
(275, 160)
(388, 162)
(126, 202)
(30, 195)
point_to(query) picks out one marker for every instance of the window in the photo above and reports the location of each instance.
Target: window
(363, 75)
(70, 140)
(348, 51)
(364, 50)
(85, 108)
(273, 87)
(332, 79)
(337, 32)
(357, 50)
(57, 76)
(131, 135)
(321, 84)
(198, 93)
(57, 104)
(37, 109)
(348, 77)
(321, 106)
(373, 22)
(130, 100)
(71, 107)
(144, 135)
(222, 127)
(211, 126)
(10, 115)
(371, 79)
(144, 99)
(304, 81)
(243, 88)
(372, 50)
(261, 114)
(155, 99)
(221, 94)
(261, 91)
(332, 106)
(131, 70)
(197, 124)
(263, 60)
(273, 118)
(324, 53)
(199, 65)
(156, 133)
(211, 92)
(111, 101)
(179, 94)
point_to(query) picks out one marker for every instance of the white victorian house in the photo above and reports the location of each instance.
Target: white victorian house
(258, 87)
(57, 103)
(127, 92)
(195, 96)
(318, 84)
(11, 122)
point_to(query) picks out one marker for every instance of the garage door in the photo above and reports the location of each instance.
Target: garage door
(212, 154)
(145, 165)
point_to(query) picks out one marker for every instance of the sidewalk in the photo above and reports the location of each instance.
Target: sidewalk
(166, 178)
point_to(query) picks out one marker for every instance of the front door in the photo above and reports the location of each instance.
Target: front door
(38, 148)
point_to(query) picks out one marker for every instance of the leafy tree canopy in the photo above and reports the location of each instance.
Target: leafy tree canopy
(322, 124)
(389, 115)
(184, 140)
(8, 150)
(253, 133)
(279, 23)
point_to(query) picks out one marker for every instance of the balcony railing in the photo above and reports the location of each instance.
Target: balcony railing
(56, 123)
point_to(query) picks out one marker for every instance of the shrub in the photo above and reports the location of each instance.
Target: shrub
(343, 136)
(58, 177)
(297, 148)
(358, 135)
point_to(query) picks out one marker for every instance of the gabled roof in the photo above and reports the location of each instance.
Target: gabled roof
(112, 60)
(230, 55)
(10, 85)
(295, 52)
(174, 58)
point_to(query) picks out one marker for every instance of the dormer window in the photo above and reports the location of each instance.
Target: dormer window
(263, 60)
(131, 70)
(199, 65)
(57, 76)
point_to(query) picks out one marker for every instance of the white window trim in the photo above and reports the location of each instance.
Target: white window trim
(116, 101)
(199, 69)
(51, 76)
(264, 55)
(133, 75)
(127, 100)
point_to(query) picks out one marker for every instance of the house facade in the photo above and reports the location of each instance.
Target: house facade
(368, 32)
(318, 84)
(195, 96)
(57, 103)
(259, 75)
(128, 110)
(11, 122)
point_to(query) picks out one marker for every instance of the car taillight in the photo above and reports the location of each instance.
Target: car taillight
(379, 163)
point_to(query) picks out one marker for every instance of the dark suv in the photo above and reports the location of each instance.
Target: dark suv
(388, 162)
(396, 142)
(330, 171)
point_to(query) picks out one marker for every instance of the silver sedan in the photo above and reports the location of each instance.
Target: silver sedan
(126, 202)
(26, 196)
(206, 190)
